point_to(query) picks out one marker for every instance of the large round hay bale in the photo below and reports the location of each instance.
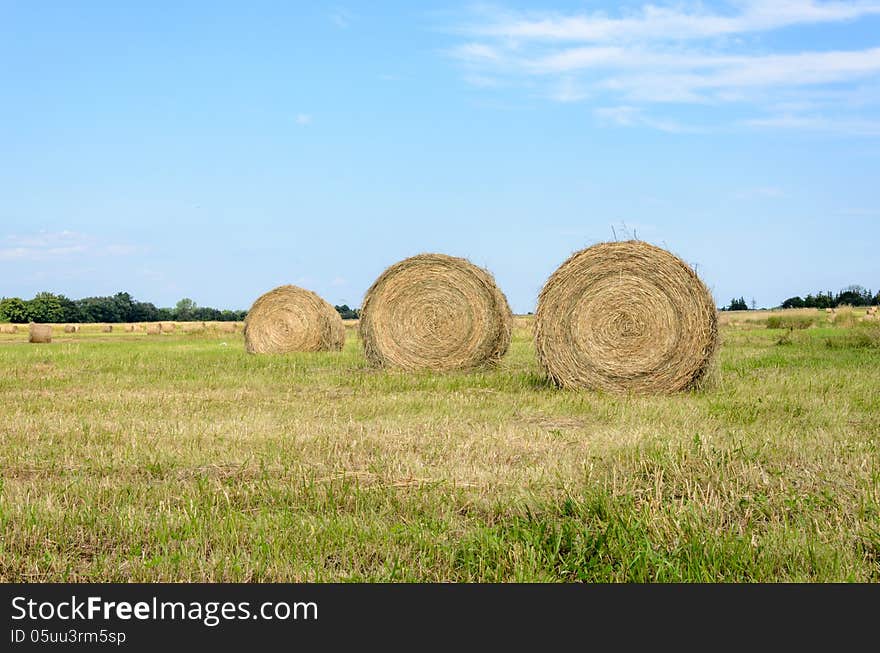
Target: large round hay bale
(289, 319)
(154, 329)
(435, 312)
(626, 316)
(40, 333)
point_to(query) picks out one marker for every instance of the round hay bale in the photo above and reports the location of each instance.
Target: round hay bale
(288, 319)
(40, 333)
(129, 328)
(107, 328)
(435, 312)
(626, 316)
(154, 329)
(168, 327)
(8, 328)
(71, 328)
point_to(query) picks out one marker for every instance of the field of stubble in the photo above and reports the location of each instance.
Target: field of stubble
(126, 457)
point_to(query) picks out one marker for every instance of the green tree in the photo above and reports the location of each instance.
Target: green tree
(183, 310)
(45, 307)
(70, 309)
(738, 305)
(13, 309)
(347, 313)
(99, 309)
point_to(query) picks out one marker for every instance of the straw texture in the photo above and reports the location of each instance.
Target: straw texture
(289, 319)
(626, 316)
(435, 312)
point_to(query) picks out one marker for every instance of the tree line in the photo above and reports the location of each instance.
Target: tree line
(854, 295)
(121, 307)
(47, 307)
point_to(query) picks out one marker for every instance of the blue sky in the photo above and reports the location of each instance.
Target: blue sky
(216, 150)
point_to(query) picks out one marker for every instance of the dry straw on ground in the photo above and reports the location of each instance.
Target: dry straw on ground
(40, 333)
(435, 312)
(226, 327)
(626, 316)
(289, 319)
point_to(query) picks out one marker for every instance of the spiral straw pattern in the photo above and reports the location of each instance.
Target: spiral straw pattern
(626, 316)
(435, 312)
(289, 319)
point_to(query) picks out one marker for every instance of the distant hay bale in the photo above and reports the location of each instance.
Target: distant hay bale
(435, 312)
(168, 327)
(71, 328)
(829, 311)
(289, 319)
(154, 329)
(40, 333)
(626, 316)
(129, 328)
(107, 328)
(227, 327)
(193, 327)
(8, 328)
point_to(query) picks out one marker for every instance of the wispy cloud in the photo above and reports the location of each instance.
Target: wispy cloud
(629, 116)
(677, 54)
(57, 245)
(341, 17)
(660, 23)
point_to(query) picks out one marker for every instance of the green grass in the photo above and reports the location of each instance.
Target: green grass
(791, 321)
(181, 458)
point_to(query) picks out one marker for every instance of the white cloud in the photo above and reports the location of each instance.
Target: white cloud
(660, 23)
(341, 17)
(677, 54)
(57, 245)
(819, 123)
(629, 116)
(303, 119)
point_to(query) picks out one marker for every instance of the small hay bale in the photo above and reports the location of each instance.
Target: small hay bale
(168, 327)
(71, 328)
(129, 328)
(626, 316)
(40, 333)
(435, 312)
(107, 328)
(289, 319)
(154, 329)
(8, 328)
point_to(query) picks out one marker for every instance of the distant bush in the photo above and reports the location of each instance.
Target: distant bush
(844, 317)
(862, 337)
(790, 321)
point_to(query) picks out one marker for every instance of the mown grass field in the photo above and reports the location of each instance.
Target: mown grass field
(125, 457)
